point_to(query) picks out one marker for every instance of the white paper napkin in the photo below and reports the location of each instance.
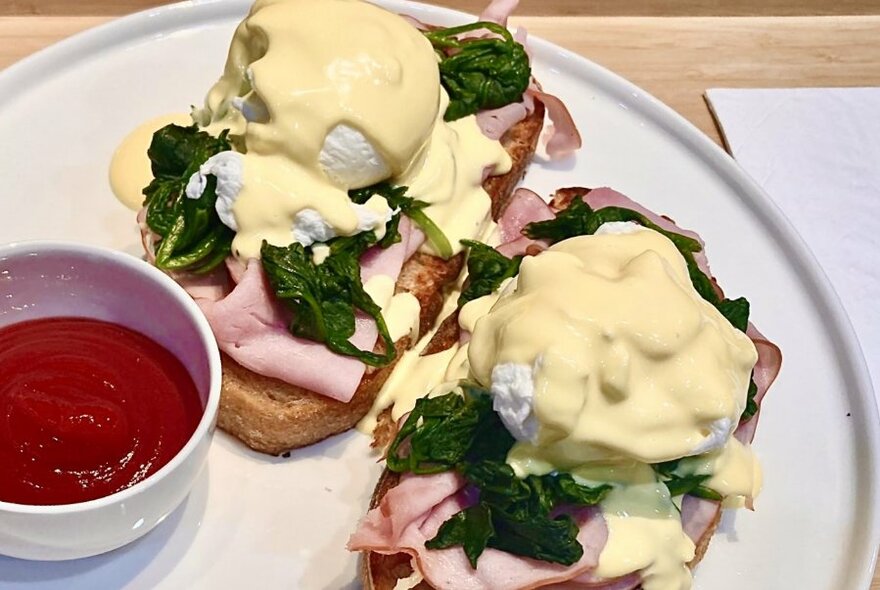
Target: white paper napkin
(816, 151)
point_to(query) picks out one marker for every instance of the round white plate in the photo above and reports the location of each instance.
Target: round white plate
(261, 522)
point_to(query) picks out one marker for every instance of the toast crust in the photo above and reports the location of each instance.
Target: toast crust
(271, 416)
(382, 572)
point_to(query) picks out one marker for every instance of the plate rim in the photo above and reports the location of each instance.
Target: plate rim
(172, 18)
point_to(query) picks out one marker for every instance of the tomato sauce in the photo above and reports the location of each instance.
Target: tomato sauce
(87, 408)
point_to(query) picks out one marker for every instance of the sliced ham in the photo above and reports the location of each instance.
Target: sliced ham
(417, 499)
(589, 581)
(212, 286)
(251, 325)
(562, 137)
(499, 11)
(525, 207)
(389, 261)
(402, 505)
(698, 516)
(766, 369)
(495, 123)
(522, 246)
(769, 361)
(236, 269)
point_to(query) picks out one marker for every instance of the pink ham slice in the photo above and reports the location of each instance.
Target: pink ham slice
(251, 325)
(767, 368)
(495, 123)
(602, 197)
(406, 503)
(562, 137)
(697, 516)
(498, 11)
(412, 512)
(525, 207)
(589, 581)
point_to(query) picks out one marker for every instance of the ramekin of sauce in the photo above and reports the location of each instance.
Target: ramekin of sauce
(109, 388)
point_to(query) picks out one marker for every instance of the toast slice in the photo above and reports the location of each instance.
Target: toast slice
(272, 416)
(382, 572)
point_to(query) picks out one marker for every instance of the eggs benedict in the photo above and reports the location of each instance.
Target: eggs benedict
(604, 401)
(315, 210)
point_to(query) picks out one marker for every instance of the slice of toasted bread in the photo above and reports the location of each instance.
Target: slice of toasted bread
(382, 572)
(272, 416)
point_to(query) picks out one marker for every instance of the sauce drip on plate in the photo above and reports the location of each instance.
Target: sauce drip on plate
(87, 408)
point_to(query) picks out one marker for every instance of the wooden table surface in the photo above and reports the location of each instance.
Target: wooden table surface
(673, 49)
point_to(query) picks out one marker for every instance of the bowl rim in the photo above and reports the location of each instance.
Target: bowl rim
(181, 297)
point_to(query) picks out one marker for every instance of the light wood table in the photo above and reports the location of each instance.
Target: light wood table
(674, 58)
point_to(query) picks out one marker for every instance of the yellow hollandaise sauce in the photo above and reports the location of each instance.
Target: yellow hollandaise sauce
(414, 376)
(417, 374)
(628, 360)
(130, 167)
(644, 527)
(400, 310)
(733, 470)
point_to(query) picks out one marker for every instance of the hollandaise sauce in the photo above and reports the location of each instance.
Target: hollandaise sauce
(629, 359)
(644, 527)
(130, 167)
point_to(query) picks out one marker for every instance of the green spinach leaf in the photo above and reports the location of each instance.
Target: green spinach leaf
(679, 484)
(537, 536)
(736, 311)
(471, 528)
(487, 268)
(751, 404)
(193, 237)
(463, 433)
(687, 484)
(325, 297)
(480, 72)
(440, 432)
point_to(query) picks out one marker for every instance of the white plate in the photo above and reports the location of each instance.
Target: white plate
(259, 522)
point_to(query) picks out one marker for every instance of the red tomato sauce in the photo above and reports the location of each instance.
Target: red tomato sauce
(87, 408)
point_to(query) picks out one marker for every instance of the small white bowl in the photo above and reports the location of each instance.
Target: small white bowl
(49, 279)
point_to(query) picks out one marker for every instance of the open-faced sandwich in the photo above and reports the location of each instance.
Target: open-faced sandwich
(317, 208)
(591, 409)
